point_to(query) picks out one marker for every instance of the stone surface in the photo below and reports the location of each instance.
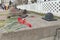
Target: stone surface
(40, 29)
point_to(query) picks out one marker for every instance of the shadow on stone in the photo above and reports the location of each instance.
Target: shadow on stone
(49, 20)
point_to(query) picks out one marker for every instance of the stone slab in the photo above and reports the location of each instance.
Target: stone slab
(40, 29)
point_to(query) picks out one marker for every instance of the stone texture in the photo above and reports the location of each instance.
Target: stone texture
(41, 29)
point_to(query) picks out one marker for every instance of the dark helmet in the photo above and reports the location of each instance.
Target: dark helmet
(49, 16)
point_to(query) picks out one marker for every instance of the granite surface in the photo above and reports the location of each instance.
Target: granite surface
(40, 29)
